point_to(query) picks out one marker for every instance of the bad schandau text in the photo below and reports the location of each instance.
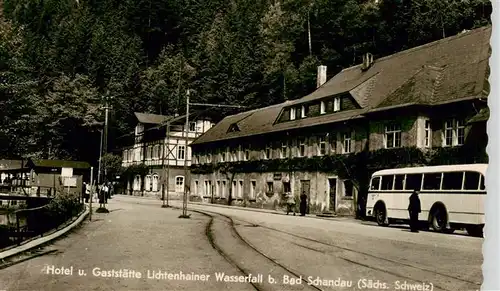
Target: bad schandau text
(158, 274)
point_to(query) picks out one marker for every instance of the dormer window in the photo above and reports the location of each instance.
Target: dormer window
(233, 128)
(322, 109)
(336, 104)
(292, 114)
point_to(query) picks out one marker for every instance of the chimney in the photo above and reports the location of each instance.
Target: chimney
(367, 61)
(321, 76)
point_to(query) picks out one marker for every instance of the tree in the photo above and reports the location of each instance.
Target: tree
(112, 166)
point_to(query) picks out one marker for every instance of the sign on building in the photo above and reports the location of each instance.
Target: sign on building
(67, 172)
(69, 182)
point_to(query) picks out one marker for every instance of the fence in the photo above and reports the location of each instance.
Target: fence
(38, 221)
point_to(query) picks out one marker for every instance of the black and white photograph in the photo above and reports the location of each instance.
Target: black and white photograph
(245, 145)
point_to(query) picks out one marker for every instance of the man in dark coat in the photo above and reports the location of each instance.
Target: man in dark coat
(303, 204)
(414, 209)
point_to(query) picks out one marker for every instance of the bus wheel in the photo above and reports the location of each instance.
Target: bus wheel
(438, 220)
(475, 230)
(380, 216)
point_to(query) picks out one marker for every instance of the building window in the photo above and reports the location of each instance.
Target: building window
(181, 152)
(179, 184)
(253, 187)
(322, 107)
(268, 152)
(428, 134)
(332, 142)
(196, 188)
(393, 136)
(196, 159)
(321, 145)
(217, 189)
(454, 132)
(284, 150)
(302, 147)
(240, 189)
(148, 183)
(137, 183)
(349, 188)
(233, 189)
(239, 154)
(336, 104)
(192, 126)
(223, 190)
(460, 132)
(347, 142)
(303, 113)
(247, 154)
(269, 188)
(155, 183)
(209, 158)
(292, 114)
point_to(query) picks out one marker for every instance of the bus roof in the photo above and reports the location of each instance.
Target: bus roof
(481, 168)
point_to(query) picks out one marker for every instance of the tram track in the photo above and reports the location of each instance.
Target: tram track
(433, 273)
(213, 229)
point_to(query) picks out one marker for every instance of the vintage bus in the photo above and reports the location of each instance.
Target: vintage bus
(452, 197)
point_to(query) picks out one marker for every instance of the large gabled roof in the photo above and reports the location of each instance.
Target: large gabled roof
(447, 70)
(148, 118)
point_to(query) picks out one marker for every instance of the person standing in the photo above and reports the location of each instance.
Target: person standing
(290, 203)
(303, 204)
(414, 208)
(87, 192)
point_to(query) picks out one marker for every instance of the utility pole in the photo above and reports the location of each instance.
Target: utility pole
(186, 136)
(100, 157)
(91, 192)
(166, 148)
(102, 207)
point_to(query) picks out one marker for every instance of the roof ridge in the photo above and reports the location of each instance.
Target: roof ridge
(423, 46)
(251, 111)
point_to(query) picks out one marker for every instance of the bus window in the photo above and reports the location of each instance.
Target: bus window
(375, 184)
(387, 182)
(471, 181)
(482, 183)
(452, 181)
(413, 181)
(432, 181)
(398, 182)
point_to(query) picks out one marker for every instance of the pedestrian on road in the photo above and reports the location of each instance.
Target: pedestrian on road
(414, 209)
(290, 203)
(303, 204)
(87, 192)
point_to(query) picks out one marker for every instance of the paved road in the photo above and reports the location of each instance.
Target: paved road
(138, 235)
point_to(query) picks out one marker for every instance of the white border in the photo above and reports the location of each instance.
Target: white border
(491, 245)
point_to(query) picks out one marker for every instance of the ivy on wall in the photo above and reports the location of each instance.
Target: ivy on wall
(347, 164)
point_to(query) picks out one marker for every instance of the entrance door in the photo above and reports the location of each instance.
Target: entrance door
(305, 188)
(332, 186)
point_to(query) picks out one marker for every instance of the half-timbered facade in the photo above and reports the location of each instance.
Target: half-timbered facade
(422, 98)
(164, 152)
